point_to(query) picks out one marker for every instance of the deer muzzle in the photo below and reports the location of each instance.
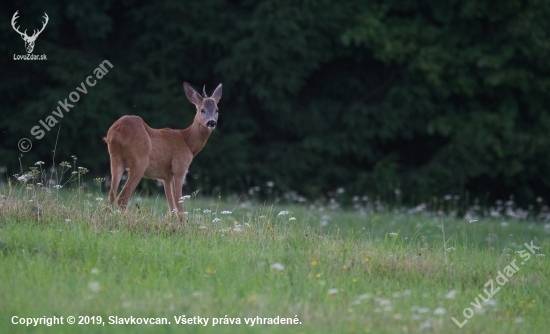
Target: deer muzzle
(211, 124)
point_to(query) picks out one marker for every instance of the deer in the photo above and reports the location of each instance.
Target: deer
(29, 40)
(162, 154)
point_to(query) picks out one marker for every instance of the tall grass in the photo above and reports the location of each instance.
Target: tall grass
(65, 253)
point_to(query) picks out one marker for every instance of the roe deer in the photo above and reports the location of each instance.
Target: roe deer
(162, 154)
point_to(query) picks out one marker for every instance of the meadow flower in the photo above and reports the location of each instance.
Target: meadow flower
(473, 221)
(450, 249)
(183, 198)
(291, 219)
(202, 227)
(393, 234)
(226, 212)
(99, 199)
(332, 291)
(277, 266)
(451, 294)
(206, 211)
(440, 311)
(215, 220)
(94, 271)
(67, 220)
(282, 213)
(426, 324)
(23, 178)
(58, 186)
(94, 286)
(39, 163)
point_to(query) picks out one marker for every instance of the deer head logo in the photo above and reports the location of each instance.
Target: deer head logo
(29, 40)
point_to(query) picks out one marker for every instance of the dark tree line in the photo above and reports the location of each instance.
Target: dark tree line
(428, 97)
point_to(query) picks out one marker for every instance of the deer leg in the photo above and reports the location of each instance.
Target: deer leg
(117, 169)
(169, 191)
(178, 185)
(134, 176)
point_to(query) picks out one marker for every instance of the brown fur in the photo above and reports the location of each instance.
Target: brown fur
(162, 154)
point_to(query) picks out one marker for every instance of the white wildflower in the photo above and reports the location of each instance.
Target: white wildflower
(332, 291)
(282, 213)
(393, 234)
(94, 286)
(99, 199)
(473, 221)
(226, 212)
(440, 311)
(58, 186)
(215, 220)
(450, 249)
(206, 211)
(451, 294)
(291, 219)
(94, 271)
(23, 178)
(277, 266)
(39, 163)
(67, 220)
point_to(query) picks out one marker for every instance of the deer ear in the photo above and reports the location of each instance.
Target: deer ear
(192, 94)
(217, 95)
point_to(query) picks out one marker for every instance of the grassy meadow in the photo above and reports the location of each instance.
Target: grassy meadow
(366, 269)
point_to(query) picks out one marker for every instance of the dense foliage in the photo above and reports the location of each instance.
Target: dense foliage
(428, 97)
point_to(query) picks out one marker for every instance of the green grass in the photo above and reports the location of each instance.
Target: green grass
(337, 271)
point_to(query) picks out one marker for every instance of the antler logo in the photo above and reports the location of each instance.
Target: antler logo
(29, 40)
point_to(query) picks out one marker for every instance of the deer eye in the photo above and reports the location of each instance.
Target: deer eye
(216, 111)
(202, 111)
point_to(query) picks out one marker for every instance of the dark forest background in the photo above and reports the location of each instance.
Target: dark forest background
(429, 97)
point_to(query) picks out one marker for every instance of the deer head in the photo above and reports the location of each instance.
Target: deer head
(207, 107)
(29, 40)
